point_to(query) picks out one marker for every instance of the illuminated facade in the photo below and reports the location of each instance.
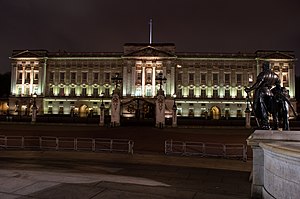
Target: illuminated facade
(206, 85)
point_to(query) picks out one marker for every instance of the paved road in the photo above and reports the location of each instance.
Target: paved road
(146, 139)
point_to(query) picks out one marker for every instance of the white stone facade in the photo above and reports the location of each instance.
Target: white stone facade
(206, 85)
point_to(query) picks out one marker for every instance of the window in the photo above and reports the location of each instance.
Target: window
(215, 79)
(148, 92)
(203, 93)
(73, 77)
(239, 94)
(191, 112)
(20, 76)
(139, 76)
(148, 76)
(203, 78)
(61, 91)
(51, 77)
(83, 91)
(138, 92)
(27, 80)
(84, 76)
(179, 93)
(106, 93)
(96, 77)
(191, 78)
(227, 94)
(50, 110)
(215, 93)
(36, 76)
(51, 91)
(61, 110)
(179, 111)
(227, 79)
(107, 77)
(239, 79)
(62, 77)
(95, 92)
(72, 93)
(191, 93)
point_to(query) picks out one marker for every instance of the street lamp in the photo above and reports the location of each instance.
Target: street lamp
(102, 96)
(161, 79)
(174, 120)
(174, 105)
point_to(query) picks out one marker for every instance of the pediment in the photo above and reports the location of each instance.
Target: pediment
(278, 55)
(27, 54)
(149, 52)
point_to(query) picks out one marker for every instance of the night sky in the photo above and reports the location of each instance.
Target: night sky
(193, 25)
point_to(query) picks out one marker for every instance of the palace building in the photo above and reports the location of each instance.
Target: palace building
(209, 85)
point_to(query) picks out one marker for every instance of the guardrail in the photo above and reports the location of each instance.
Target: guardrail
(206, 149)
(65, 144)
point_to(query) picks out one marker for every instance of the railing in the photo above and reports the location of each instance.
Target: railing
(65, 144)
(206, 149)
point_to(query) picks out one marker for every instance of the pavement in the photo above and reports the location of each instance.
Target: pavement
(88, 175)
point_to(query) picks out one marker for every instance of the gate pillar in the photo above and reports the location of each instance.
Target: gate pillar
(160, 109)
(115, 108)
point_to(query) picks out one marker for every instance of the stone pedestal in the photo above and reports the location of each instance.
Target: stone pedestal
(276, 164)
(160, 109)
(115, 109)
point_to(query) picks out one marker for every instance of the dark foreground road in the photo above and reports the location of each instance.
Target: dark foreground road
(146, 139)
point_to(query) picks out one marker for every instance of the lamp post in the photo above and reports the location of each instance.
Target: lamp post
(174, 120)
(102, 107)
(161, 79)
(34, 109)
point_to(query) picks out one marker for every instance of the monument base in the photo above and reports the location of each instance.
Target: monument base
(276, 164)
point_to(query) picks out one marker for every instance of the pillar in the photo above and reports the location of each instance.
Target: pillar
(160, 109)
(115, 108)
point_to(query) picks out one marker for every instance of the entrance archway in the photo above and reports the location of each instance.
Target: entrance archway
(83, 111)
(215, 113)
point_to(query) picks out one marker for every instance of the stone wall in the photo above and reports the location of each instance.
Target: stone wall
(276, 164)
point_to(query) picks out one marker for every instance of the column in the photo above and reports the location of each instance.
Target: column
(133, 71)
(125, 79)
(23, 80)
(143, 81)
(14, 79)
(291, 78)
(31, 80)
(153, 81)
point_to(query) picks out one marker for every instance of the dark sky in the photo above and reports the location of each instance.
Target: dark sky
(193, 25)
